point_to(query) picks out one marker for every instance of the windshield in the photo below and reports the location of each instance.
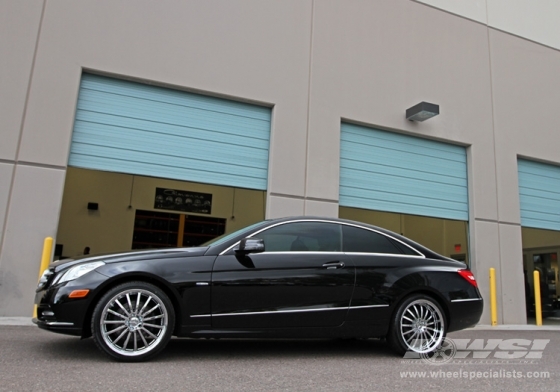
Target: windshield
(226, 237)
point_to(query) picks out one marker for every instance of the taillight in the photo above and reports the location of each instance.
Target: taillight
(468, 276)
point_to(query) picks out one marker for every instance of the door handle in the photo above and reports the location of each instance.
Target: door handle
(334, 265)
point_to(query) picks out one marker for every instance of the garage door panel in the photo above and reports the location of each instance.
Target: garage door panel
(159, 112)
(85, 119)
(402, 207)
(428, 165)
(403, 198)
(391, 184)
(537, 215)
(420, 173)
(190, 174)
(385, 171)
(176, 97)
(201, 163)
(531, 190)
(378, 155)
(133, 128)
(404, 143)
(546, 224)
(539, 194)
(541, 207)
(134, 140)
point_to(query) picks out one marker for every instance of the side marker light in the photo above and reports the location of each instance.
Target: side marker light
(78, 294)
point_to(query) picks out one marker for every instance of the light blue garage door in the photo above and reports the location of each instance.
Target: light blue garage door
(134, 128)
(539, 194)
(387, 171)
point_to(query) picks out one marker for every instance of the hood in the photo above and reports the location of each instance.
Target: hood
(130, 256)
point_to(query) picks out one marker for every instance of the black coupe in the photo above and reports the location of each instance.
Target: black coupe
(298, 277)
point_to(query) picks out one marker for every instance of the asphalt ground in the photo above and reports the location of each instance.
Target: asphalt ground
(35, 360)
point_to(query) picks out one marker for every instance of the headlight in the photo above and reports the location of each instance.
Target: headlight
(44, 278)
(79, 270)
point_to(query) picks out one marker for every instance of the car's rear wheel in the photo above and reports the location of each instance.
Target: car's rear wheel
(418, 325)
(133, 321)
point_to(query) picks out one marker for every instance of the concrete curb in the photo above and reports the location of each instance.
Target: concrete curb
(21, 321)
(514, 327)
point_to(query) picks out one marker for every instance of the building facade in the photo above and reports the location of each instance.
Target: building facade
(262, 109)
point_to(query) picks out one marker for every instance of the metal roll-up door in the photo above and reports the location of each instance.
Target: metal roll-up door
(134, 128)
(539, 194)
(387, 171)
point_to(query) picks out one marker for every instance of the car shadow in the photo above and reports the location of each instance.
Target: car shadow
(212, 349)
(181, 349)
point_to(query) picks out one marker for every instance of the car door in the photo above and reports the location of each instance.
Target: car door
(302, 279)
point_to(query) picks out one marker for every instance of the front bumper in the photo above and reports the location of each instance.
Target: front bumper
(57, 312)
(66, 328)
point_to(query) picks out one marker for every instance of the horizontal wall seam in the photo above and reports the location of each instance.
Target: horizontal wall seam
(41, 165)
(497, 221)
(7, 161)
(296, 197)
(486, 24)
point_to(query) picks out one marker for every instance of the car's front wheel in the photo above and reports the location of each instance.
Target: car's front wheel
(418, 325)
(133, 321)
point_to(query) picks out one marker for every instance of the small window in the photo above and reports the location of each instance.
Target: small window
(302, 237)
(367, 241)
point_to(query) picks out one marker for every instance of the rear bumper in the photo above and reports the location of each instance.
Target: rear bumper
(465, 313)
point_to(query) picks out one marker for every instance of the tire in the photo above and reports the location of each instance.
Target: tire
(133, 322)
(418, 325)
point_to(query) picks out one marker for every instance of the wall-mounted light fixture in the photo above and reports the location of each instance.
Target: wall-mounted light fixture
(422, 111)
(92, 206)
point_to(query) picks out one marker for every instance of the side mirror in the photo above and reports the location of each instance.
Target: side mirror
(250, 245)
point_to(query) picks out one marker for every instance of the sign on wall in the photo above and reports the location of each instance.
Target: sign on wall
(186, 201)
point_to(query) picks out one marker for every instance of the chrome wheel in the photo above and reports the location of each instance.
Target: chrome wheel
(133, 321)
(422, 326)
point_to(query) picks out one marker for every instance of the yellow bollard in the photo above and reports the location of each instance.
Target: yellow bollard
(493, 302)
(538, 310)
(45, 260)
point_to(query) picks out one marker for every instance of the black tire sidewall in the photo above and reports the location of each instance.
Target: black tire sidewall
(98, 310)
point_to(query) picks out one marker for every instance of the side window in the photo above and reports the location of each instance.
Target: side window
(367, 241)
(302, 237)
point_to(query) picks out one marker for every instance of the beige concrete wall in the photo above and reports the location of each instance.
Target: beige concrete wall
(6, 175)
(471, 9)
(526, 92)
(110, 228)
(247, 50)
(537, 21)
(373, 60)
(17, 48)
(316, 63)
(33, 214)
(394, 56)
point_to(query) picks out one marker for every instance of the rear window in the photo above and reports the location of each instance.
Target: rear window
(360, 240)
